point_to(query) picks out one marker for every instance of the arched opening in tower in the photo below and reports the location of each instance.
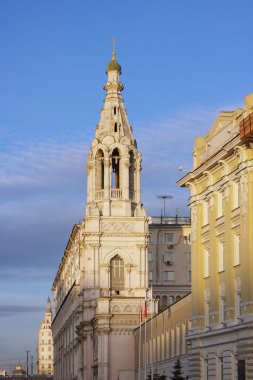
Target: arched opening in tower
(99, 170)
(117, 280)
(115, 169)
(131, 175)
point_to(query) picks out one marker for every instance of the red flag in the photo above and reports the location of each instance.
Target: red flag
(140, 312)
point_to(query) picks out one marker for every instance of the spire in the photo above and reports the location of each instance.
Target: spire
(48, 307)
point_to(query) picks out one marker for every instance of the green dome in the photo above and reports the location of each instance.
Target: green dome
(113, 65)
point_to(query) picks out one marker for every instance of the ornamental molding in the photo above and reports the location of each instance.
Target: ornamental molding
(244, 194)
(193, 223)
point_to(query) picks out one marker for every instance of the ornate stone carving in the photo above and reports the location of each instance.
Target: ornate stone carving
(108, 140)
(194, 223)
(244, 194)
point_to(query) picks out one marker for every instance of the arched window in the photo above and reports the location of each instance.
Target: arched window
(99, 170)
(131, 175)
(115, 110)
(178, 298)
(171, 300)
(117, 274)
(115, 127)
(164, 301)
(115, 169)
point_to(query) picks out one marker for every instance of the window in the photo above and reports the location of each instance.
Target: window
(221, 368)
(169, 238)
(115, 127)
(221, 307)
(206, 263)
(150, 256)
(99, 177)
(219, 205)
(117, 273)
(241, 370)
(49, 348)
(49, 365)
(150, 275)
(220, 256)
(164, 301)
(115, 169)
(168, 257)
(205, 213)
(114, 110)
(235, 195)
(131, 175)
(168, 276)
(236, 249)
(49, 342)
(49, 356)
(189, 275)
(171, 300)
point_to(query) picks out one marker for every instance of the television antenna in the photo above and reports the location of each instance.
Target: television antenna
(164, 197)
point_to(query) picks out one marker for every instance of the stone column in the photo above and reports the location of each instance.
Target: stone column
(125, 178)
(106, 179)
(138, 179)
(103, 350)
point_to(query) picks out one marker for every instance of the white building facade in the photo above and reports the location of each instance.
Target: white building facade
(45, 348)
(102, 278)
(169, 259)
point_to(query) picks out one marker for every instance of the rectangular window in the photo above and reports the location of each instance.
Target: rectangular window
(237, 304)
(169, 238)
(189, 275)
(221, 256)
(206, 263)
(168, 257)
(235, 195)
(150, 275)
(168, 276)
(236, 249)
(241, 370)
(150, 256)
(219, 205)
(205, 213)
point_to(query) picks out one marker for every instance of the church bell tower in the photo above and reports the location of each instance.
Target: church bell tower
(114, 163)
(114, 244)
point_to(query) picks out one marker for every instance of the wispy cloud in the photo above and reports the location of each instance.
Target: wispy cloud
(42, 185)
(27, 275)
(13, 310)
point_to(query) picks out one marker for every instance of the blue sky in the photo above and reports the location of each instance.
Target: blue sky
(183, 61)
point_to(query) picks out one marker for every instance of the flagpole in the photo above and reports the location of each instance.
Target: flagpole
(145, 337)
(140, 319)
(152, 310)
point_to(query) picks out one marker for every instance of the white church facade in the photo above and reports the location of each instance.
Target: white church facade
(103, 275)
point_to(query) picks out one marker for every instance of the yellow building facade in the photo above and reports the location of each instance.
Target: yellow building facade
(221, 184)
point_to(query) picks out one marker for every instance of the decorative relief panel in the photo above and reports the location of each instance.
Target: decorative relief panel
(118, 227)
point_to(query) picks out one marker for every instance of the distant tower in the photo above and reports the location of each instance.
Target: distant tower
(45, 350)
